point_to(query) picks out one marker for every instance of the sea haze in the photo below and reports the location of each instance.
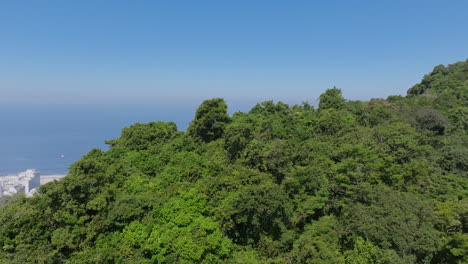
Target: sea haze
(35, 136)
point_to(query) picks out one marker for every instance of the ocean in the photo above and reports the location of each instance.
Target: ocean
(36, 136)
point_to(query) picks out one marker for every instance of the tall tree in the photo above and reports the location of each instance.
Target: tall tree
(210, 120)
(331, 98)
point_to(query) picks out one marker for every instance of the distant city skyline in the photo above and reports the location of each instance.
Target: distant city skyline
(244, 51)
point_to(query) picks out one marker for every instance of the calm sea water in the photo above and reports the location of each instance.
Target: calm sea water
(35, 136)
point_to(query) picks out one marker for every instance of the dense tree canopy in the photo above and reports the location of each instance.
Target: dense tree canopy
(382, 181)
(331, 98)
(210, 120)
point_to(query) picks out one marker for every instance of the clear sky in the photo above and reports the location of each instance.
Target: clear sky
(136, 51)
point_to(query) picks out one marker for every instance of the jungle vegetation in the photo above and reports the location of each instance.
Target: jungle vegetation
(352, 182)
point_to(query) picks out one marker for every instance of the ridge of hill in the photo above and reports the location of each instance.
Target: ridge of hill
(378, 181)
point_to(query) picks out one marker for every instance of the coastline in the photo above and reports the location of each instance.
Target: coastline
(51, 177)
(46, 176)
(25, 182)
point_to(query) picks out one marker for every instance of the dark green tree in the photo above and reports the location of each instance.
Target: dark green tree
(210, 120)
(331, 98)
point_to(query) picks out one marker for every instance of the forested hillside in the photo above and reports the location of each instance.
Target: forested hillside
(381, 181)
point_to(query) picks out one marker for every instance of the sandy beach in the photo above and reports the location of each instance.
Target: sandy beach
(48, 178)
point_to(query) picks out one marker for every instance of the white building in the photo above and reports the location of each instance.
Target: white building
(23, 182)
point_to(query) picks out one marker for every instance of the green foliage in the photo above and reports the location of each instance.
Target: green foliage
(334, 123)
(210, 120)
(364, 252)
(429, 120)
(445, 85)
(383, 181)
(319, 243)
(144, 136)
(254, 211)
(393, 221)
(331, 99)
(182, 233)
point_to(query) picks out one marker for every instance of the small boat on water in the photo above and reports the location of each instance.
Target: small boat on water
(62, 156)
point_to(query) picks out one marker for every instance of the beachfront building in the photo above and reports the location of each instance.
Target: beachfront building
(24, 182)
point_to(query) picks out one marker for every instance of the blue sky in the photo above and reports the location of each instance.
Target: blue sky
(178, 51)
